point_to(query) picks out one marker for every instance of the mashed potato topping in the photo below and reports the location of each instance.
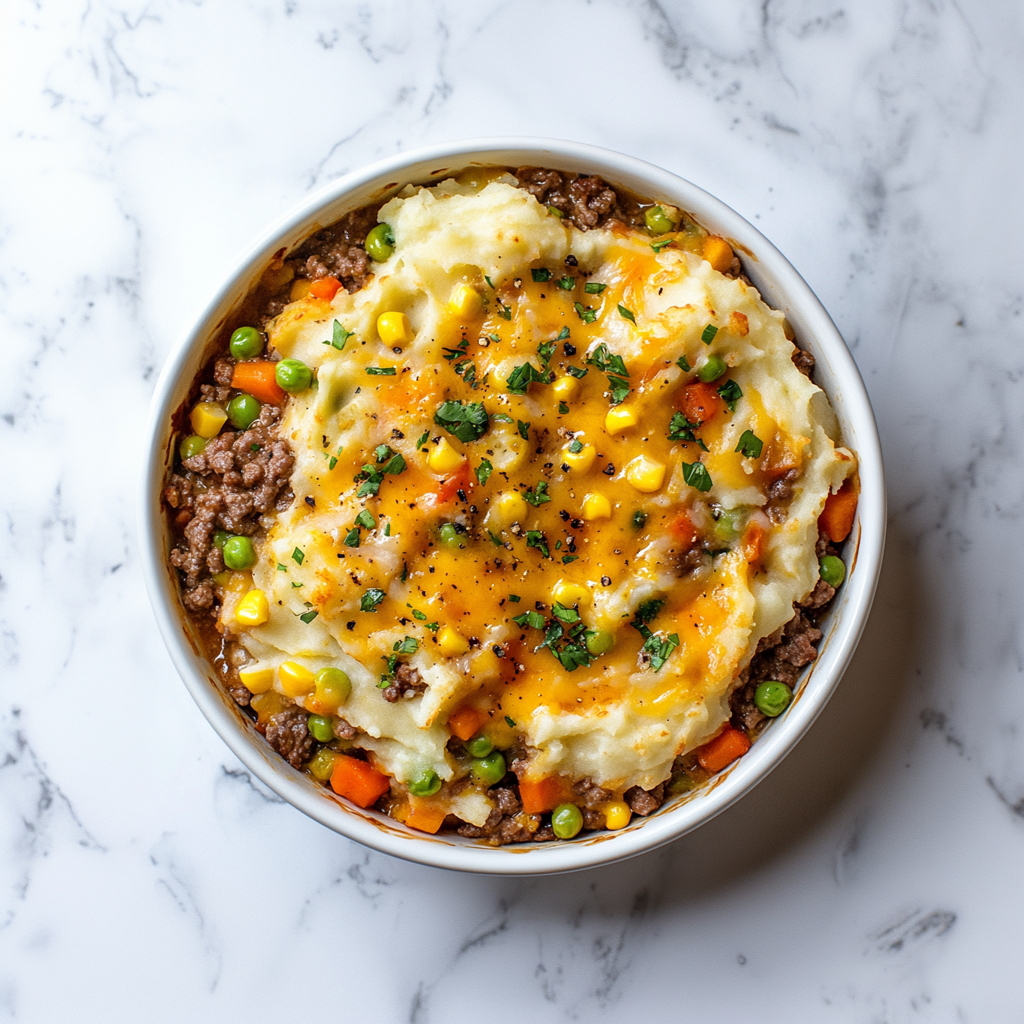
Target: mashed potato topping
(567, 481)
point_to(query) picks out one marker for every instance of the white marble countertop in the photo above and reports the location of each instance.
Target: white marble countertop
(876, 876)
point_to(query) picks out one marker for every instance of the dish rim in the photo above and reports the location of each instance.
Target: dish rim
(781, 286)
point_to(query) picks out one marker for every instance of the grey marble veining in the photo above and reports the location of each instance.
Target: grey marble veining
(875, 876)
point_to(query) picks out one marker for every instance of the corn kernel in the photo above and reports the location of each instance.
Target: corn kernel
(646, 474)
(596, 506)
(564, 388)
(465, 300)
(568, 594)
(296, 679)
(510, 507)
(718, 253)
(394, 329)
(253, 609)
(445, 458)
(451, 642)
(617, 814)
(256, 678)
(582, 460)
(207, 418)
(299, 289)
(621, 418)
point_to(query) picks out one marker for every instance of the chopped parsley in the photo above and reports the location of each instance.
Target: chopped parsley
(424, 437)
(508, 721)
(626, 314)
(657, 647)
(563, 408)
(658, 246)
(731, 394)
(522, 377)
(514, 598)
(524, 429)
(495, 539)
(407, 646)
(530, 618)
(750, 445)
(282, 568)
(639, 519)
(339, 337)
(684, 364)
(541, 274)
(504, 311)
(466, 422)
(381, 371)
(593, 288)
(579, 372)
(417, 614)
(539, 495)
(488, 280)
(371, 599)
(546, 349)
(352, 537)
(536, 539)
(575, 446)
(563, 334)
(308, 617)
(681, 429)
(366, 520)
(585, 313)
(708, 334)
(298, 556)
(696, 475)
(567, 283)
(500, 417)
(483, 471)
(332, 462)
(566, 559)
(615, 368)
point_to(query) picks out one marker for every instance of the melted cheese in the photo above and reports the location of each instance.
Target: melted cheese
(617, 720)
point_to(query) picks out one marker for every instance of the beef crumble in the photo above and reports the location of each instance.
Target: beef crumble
(585, 200)
(237, 478)
(288, 733)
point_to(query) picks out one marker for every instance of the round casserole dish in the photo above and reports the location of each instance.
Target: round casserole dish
(782, 288)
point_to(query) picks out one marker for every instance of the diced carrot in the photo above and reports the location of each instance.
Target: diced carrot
(358, 781)
(723, 749)
(718, 252)
(836, 518)
(459, 481)
(682, 527)
(539, 795)
(753, 541)
(325, 288)
(259, 380)
(699, 402)
(425, 815)
(465, 722)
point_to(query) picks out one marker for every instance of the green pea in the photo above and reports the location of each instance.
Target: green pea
(425, 784)
(728, 525)
(658, 221)
(293, 375)
(479, 746)
(246, 343)
(380, 243)
(321, 728)
(832, 570)
(333, 685)
(566, 820)
(490, 769)
(220, 538)
(322, 765)
(772, 698)
(243, 411)
(239, 553)
(600, 642)
(712, 368)
(449, 536)
(192, 446)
